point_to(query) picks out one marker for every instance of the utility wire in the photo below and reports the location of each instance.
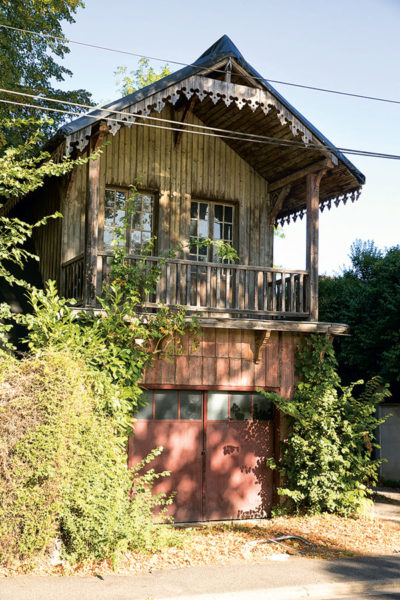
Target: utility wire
(138, 115)
(182, 64)
(282, 143)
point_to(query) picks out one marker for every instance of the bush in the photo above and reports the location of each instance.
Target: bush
(63, 470)
(326, 460)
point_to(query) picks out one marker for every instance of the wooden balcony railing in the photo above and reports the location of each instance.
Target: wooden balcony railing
(72, 278)
(216, 288)
(209, 288)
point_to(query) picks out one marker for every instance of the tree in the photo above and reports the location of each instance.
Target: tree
(143, 76)
(29, 63)
(367, 298)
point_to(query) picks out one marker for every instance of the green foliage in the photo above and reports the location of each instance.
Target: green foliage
(326, 461)
(367, 298)
(22, 171)
(30, 63)
(63, 470)
(127, 83)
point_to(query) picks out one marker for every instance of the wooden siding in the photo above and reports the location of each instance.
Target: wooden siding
(199, 167)
(225, 357)
(73, 210)
(47, 239)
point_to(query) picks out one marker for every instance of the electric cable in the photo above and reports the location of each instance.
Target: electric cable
(200, 68)
(282, 143)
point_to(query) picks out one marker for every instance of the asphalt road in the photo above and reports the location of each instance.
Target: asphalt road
(295, 578)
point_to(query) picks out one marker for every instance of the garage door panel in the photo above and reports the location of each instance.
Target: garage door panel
(238, 483)
(182, 443)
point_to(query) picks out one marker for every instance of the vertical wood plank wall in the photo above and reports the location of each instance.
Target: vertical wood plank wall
(200, 167)
(47, 239)
(225, 357)
(73, 210)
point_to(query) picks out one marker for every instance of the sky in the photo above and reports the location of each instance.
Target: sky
(347, 45)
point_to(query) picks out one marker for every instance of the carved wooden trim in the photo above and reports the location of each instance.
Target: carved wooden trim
(260, 341)
(277, 202)
(202, 88)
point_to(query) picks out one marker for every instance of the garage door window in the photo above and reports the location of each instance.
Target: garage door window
(186, 405)
(162, 405)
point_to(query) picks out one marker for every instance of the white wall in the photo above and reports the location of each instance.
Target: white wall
(389, 440)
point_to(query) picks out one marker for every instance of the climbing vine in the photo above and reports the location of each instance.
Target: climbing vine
(326, 461)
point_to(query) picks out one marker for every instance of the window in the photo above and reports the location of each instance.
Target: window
(173, 405)
(213, 221)
(186, 405)
(238, 406)
(139, 225)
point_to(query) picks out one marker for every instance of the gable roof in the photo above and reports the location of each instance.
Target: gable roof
(222, 49)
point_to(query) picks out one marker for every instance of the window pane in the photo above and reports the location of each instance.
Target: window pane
(228, 214)
(228, 233)
(193, 228)
(218, 212)
(108, 238)
(203, 229)
(203, 210)
(146, 222)
(120, 199)
(262, 408)
(218, 231)
(146, 411)
(147, 203)
(217, 406)
(109, 198)
(191, 405)
(166, 405)
(194, 210)
(146, 237)
(137, 203)
(119, 218)
(240, 407)
(136, 220)
(109, 216)
(136, 237)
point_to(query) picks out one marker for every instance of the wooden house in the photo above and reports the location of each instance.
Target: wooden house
(218, 153)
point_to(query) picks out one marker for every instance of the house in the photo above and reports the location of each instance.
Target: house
(218, 153)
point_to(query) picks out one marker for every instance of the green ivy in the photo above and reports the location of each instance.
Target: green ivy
(326, 463)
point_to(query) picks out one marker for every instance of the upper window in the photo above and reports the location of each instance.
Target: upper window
(213, 221)
(138, 225)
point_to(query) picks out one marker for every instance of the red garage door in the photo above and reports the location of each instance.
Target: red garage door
(215, 446)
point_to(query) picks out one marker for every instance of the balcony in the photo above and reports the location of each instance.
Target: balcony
(208, 289)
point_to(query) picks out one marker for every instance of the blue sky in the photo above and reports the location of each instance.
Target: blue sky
(350, 45)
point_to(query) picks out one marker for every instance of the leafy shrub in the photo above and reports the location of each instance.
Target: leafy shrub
(326, 461)
(63, 467)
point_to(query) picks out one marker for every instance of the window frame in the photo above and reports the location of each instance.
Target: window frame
(129, 230)
(211, 222)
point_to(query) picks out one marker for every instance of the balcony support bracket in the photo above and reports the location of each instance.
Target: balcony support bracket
(260, 341)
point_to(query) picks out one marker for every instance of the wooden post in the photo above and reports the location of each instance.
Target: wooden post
(313, 182)
(92, 218)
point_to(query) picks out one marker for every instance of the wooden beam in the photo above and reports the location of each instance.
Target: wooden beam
(278, 202)
(187, 112)
(260, 341)
(314, 168)
(312, 246)
(92, 216)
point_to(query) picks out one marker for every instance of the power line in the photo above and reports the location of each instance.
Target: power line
(182, 64)
(138, 115)
(282, 143)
